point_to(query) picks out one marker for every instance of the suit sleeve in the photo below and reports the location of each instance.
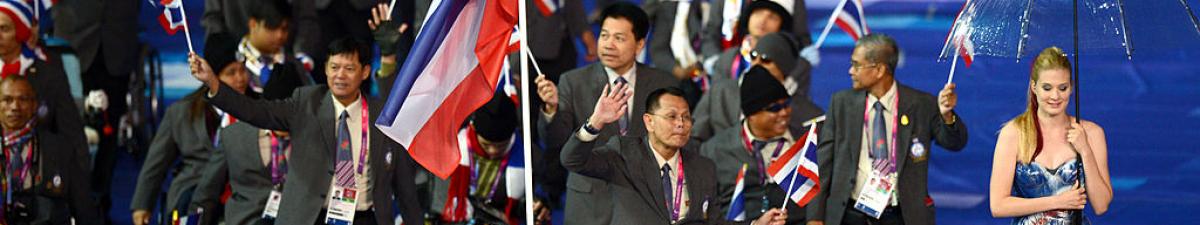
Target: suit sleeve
(710, 44)
(953, 137)
(67, 116)
(589, 159)
(83, 207)
(214, 176)
(825, 156)
(214, 17)
(271, 115)
(162, 153)
(702, 128)
(559, 128)
(404, 186)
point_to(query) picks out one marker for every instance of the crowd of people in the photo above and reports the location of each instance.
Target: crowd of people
(681, 106)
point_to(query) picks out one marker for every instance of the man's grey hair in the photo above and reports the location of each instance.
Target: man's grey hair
(880, 48)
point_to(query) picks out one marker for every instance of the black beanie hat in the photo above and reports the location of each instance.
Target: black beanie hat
(220, 50)
(759, 89)
(497, 119)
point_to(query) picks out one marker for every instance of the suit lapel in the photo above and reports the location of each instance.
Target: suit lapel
(694, 184)
(652, 177)
(326, 121)
(641, 90)
(905, 131)
(857, 107)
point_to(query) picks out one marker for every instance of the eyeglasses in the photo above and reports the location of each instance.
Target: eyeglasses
(860, 66)
(755, 55)
(675, 118)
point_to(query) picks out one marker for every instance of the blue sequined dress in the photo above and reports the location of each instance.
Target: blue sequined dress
(1034, 181)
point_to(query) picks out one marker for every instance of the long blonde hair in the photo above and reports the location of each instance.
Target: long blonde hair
(1030, 143)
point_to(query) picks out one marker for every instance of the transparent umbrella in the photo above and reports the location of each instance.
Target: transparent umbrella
(1014, 28)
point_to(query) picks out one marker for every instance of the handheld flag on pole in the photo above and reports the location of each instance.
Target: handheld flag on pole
(737, 204)
(799, 174)
(850, 18)
(172, 23)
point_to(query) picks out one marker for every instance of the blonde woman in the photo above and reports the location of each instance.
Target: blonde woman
(1047, 165)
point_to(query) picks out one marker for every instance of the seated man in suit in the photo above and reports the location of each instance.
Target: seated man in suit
(652, 178)
(776, 53)
(349, 176)
(45, 184)
(873, 150)
(756, 143)
(568, 105)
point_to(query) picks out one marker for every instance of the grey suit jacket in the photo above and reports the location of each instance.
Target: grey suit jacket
(711, 44)
(841, 140)
(90, 24)
(570, 19)
(308, 115)
(578, 91)
(238, 153)
(181, 136)
(627, 164)
(662, 16)
(728, 146)
(720, 108)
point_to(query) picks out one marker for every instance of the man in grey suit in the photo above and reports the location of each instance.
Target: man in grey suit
(622, 35)
(325, 124)
(718, 109)
(874, 170)
(654, 180)
(757, 142)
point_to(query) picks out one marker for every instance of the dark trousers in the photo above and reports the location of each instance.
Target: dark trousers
(890, 216)
(97, 77)
(360, 218)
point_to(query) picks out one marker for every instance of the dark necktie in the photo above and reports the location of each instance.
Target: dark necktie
(879, 150)
(758, 157)
(666, 183)
(624, 122)
(345, 175)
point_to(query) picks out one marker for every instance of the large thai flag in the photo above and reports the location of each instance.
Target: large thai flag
(451, 71)
(737, 203)
(852, 20)
(172, 17)
(798, 176)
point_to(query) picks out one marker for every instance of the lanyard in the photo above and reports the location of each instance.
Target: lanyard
(477, 172)
(278, 154)
(362, 148)
(760, 164)
(678, 190)
(892, 147)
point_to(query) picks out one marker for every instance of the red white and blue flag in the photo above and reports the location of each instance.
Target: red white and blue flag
(798, 176)
(737, 204)
(171, 19)
(452, 70)
(852, 20)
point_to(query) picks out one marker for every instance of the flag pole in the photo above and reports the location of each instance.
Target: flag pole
(952, 65)
(529, 53)
(829, 24)
(391, 6)
(527, 128)
(186, 32)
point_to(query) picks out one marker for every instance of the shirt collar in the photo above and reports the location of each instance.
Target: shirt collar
(353, 108)
(658, 158)
(251, 53)
(630, 76)
(887, 99)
